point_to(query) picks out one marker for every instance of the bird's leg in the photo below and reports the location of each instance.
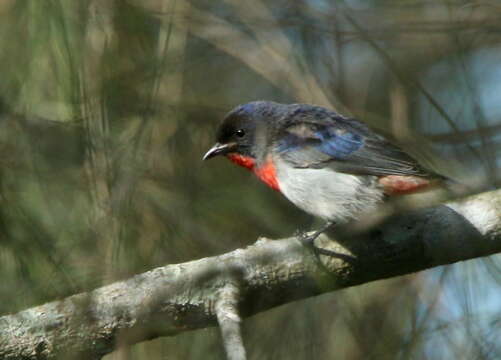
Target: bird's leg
(308, 240)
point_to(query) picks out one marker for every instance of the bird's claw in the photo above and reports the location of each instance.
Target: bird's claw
(305, 238)
(308, 240)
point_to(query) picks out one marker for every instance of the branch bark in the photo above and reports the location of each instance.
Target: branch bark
(229, 320)
(176, 298)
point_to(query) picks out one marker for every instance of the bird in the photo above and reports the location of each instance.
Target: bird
(331, 166)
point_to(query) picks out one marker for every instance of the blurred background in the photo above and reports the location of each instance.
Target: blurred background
(106, 108)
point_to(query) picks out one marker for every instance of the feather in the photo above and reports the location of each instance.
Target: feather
(345, 145)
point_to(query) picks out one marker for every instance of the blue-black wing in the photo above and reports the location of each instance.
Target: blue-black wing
(346, 145)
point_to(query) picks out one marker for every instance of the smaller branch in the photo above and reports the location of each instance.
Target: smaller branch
(229, 321)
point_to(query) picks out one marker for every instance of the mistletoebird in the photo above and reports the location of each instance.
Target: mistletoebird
(328, 165)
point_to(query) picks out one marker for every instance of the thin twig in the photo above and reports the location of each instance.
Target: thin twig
(405, 79)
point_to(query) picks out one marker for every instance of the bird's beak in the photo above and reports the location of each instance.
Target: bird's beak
(218, 149)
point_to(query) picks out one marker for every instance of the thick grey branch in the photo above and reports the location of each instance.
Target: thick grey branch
(175, 298)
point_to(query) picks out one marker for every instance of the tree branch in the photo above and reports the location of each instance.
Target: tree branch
(229, 321)
(193, 295)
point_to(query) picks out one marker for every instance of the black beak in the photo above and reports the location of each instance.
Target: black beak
(218, 149)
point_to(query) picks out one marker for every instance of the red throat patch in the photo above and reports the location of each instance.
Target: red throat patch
(245, 161)
(267, 172)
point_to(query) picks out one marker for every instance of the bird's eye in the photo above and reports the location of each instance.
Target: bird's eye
(240, 132)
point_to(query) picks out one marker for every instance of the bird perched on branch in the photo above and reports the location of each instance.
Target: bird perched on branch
(330, 166)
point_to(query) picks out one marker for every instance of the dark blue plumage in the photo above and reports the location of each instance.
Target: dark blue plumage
(310, 136)
(336, 143)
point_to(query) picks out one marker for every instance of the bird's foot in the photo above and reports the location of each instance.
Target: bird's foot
(308, 240)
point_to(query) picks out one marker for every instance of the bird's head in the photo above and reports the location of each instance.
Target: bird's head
(244, 131)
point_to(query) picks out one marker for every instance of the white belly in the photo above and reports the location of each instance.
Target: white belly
(328, 194)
